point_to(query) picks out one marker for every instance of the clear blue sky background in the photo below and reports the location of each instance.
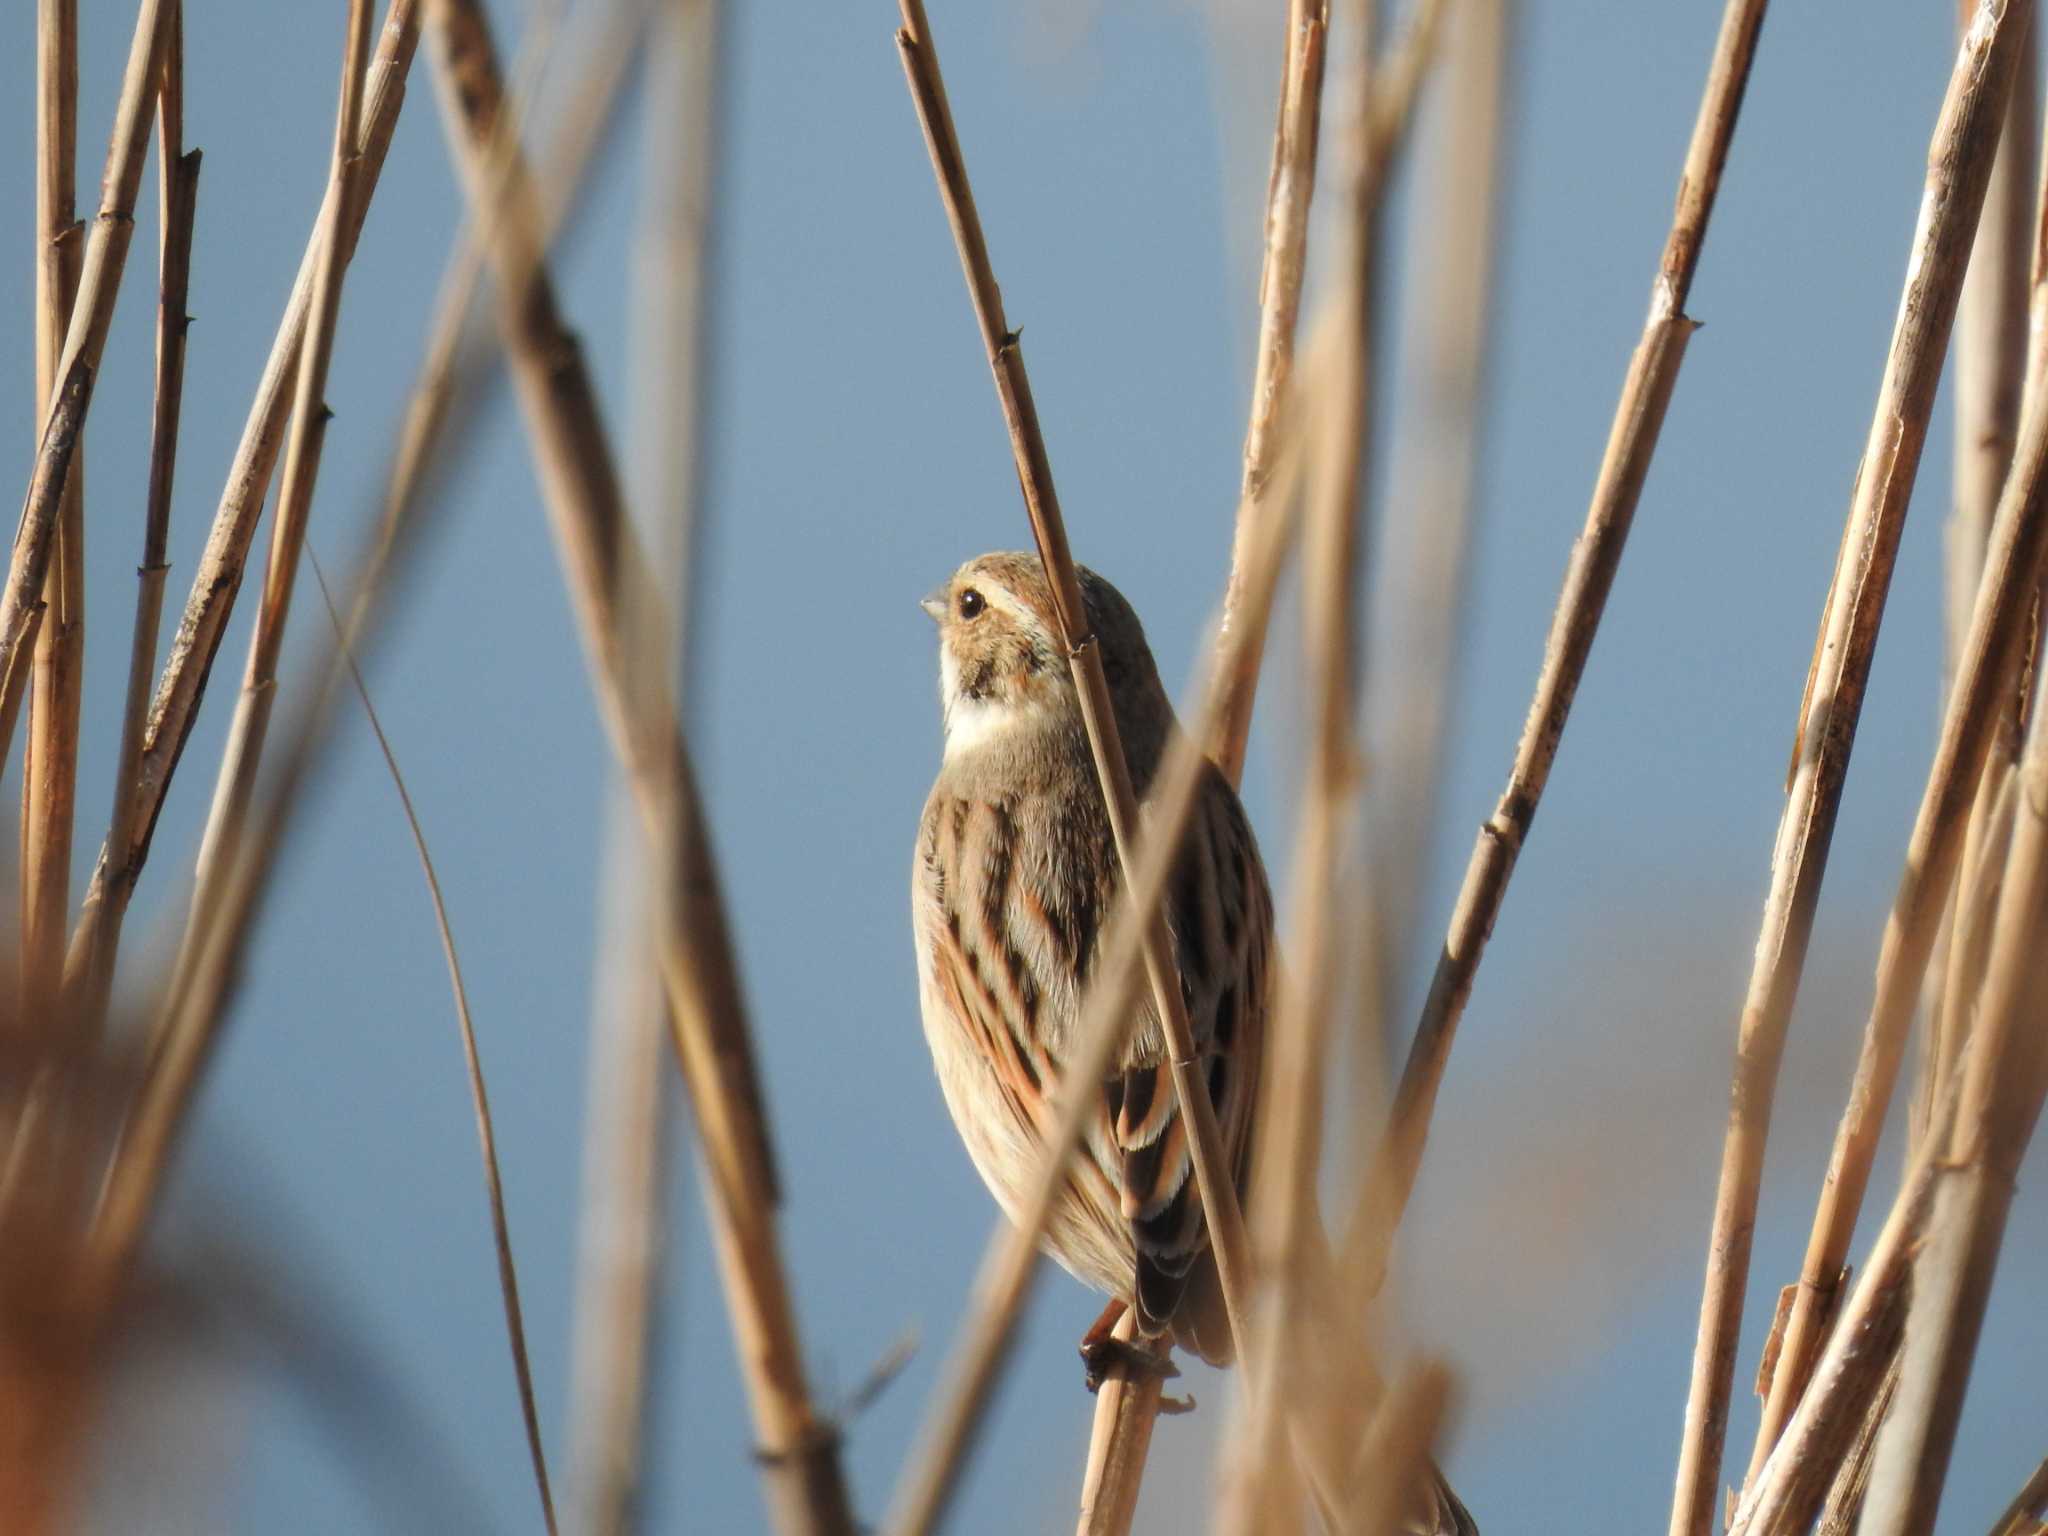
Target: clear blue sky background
(855, 456)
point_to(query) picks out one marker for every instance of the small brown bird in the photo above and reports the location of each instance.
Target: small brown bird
(1010, 891)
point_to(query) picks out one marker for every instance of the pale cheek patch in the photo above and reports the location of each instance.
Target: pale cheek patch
(971, 723)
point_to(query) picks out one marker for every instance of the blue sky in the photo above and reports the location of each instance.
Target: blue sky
(855, 456)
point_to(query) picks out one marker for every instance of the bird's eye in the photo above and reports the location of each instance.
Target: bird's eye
(971, 603)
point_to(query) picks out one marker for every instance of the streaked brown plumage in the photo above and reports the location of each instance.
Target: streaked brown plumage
(1011, 886)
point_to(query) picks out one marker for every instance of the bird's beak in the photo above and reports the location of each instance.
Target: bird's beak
(934, 602)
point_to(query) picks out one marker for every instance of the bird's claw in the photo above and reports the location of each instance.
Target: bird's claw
(1107, 1357)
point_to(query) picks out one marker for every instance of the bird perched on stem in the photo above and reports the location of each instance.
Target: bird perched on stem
(1011, 889)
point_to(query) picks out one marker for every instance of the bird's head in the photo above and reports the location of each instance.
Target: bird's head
(1003, 669)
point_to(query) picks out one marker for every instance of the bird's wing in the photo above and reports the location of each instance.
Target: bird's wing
(988, 982)
(1220, 915)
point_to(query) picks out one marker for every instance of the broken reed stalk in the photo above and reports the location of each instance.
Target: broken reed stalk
(1843, 1509)
(235, 787)
(85, 337)
(2000, 1075)
(1999, 626)
(1632, 441)
(1011, 1259)
(219, 575)
(622, 1240)
(1789, 1490)
(1435, 466)
(2001, 1103)
(178, 191)
(1289, 190)
(50, 763)
(1213, 1174)
(1960, 153)
(602, 562)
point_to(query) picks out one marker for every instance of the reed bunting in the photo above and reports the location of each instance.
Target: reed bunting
(1010, 892)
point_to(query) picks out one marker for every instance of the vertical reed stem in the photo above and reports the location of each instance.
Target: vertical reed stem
(609, 582)
(1964, 142)
(49, 780)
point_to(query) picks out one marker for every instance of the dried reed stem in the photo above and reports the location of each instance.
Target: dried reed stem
(622, 1232)
(178, 191)
(1957, 993)
(1289, 189)
(85, 338)
(14, 681)
(1435, 464)
(1034, 471)
(1786, 1495)
(59, 446)
(609, 582)
(1957, 966)
(2027, 1514)
(1639, 416)
(2006, 1078)
(1399, 79)
(1991, 346)
(1990, 352)
(1125, 1411)
(235, 787)
(472, 1059)
(1964, 143)
(219, 575)
(1843, 1509)
(1290, 1112)
(623, 1240)
(50, 765)
(508, 1278)
(194, 1007)
(57, 232)
(233, 869)
(1010, 1261)
(2011, 563)
(1393, 1466)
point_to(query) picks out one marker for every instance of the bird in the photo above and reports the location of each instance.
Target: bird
(1011, 888)
(1012, 883)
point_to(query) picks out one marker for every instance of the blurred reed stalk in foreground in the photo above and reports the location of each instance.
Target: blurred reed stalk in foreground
(1863, 1382)
(622, 1247)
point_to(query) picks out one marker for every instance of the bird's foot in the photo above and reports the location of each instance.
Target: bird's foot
(1104, 1358)
(1104, 1355)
